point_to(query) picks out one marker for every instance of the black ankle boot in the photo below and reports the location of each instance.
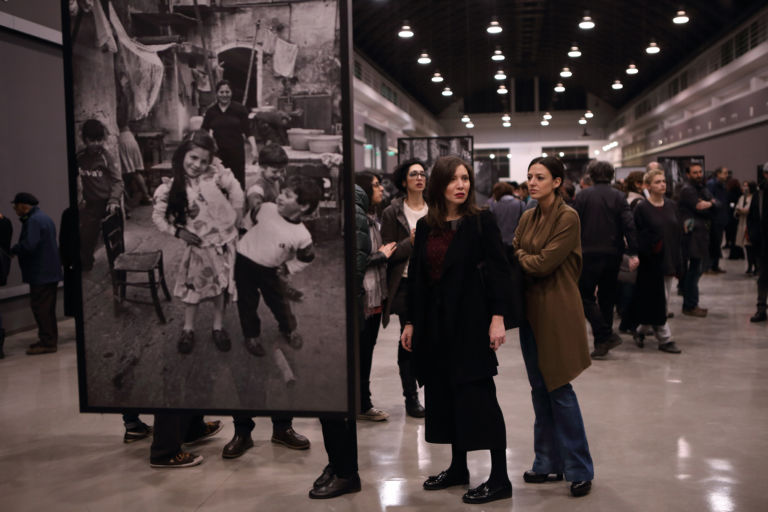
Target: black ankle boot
(413, 408)
(410, 391)
(2, 342)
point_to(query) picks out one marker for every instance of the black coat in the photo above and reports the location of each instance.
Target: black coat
(451, 317)
(696, 223)
(394, 228)
(606, 221)
(757, 220)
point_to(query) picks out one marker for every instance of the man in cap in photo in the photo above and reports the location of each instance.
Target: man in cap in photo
(40, 268)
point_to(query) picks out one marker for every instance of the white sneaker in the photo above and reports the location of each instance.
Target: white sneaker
(373, 414)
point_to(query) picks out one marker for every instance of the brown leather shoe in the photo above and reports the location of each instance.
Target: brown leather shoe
(237, 446)
(290, 438)
(697, 311)
(38, 348)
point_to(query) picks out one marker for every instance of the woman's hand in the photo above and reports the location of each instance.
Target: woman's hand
(388, 249)
(496, 332)
(189, 237)
(406, 337)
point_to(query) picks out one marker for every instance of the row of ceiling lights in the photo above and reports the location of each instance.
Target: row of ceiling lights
(582, 120)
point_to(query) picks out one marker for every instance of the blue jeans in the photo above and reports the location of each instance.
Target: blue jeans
(559, 439)
(691, 283)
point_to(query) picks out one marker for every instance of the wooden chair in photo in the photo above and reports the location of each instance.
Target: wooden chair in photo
(122, 263)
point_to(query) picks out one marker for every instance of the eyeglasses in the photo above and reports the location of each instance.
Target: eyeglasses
(377, 185)
(417, 174)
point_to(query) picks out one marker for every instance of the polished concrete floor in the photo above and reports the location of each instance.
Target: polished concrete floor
(684, 432)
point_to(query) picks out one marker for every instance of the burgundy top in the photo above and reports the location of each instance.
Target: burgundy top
(437, 246)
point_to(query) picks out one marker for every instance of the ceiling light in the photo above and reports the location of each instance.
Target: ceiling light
(506, 124)
(405, 31)
(653, 48)
(616, 85)
(597, 152)
(465, 118)
(561, 154)
(497, 55)
(574, 52)
(544, 122)
(509, 156)
(506, 118)
(493, 26)
(470, 125)
(588, 114)
(559, 87)
(492, 156)
(566, 73)
(547, 116)
(447, 91)
(437, 77)
(586, 22)
(424, 58)
(632, 69)
(681, 18)
(500, 75)
(544, 155)
(582, 121)
(502, 89)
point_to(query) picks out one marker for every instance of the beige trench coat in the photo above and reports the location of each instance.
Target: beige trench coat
(549, 252)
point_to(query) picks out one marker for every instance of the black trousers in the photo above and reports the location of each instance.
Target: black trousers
(244, 424)
(252, 278)
(42, 300)
(715, 241)
(762, 281)
(368, 337)
(597, 285)
(91, 216)
(170, 431)
(340, 440)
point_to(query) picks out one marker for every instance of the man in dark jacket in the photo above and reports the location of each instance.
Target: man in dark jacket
(606, 222)
(720, 218)
(695, 206)
(757, 226)
(40, 268)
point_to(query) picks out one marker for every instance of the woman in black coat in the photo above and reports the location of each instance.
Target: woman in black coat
(456, 299)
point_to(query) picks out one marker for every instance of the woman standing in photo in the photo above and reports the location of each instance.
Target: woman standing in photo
(398, 224)
(554, 338)
(454, 325)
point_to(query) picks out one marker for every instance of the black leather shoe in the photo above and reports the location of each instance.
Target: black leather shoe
(221, 340)
(445, 479)
(186, 342)
(484, 493)
(336, 486)
(413, 408)
(533, 477)
(237, 446)
(581, 488)
(291, 439)
(760, 316)
(254, 347)
(639, 339)
(324, 477)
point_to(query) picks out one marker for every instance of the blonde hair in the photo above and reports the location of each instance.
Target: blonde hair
(648, 178)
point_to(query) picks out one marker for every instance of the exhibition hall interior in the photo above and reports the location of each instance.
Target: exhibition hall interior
(264, 292)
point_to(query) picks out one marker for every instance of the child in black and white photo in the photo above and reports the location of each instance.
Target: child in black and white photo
(277, 244)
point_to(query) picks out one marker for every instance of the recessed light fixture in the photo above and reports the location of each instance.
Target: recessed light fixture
(561, 154)
(509, 156)
(437, 77)
(405, 31)
(544, 155)
(586, 22)
(498, 56)
(465, 118)
(616, 85)
(502, 89)
(588, 114)
(494, 27)
(574, 52)
(447, 91)
(547, 116)
(506, 118)
(500, 75)
(653, 48)
(680, 18)
(632, 69)
(566, 73)
(582, 121)
(424, 58)
(597, 152)
(492, 156)
(470, 125)
(544, 122)
(559, 87)
(506, 124)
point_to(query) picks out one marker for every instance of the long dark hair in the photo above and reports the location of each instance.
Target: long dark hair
(364, 179)
(177, 197)
(441, 175)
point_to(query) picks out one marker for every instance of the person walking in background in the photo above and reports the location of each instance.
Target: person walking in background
(457, 296)
(506, 209)
(40, 268)
(99, 186)
(659, 234)
(553, 338)
(718, 220)
(757, 227)
(6, 233)
(606, 222)
(741, 212)
(694, 207)
(398, 224)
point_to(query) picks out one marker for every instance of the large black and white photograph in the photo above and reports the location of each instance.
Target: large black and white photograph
(429, 149)
(209, 153)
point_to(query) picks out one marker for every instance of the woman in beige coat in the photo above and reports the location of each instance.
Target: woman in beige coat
(554, 338)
